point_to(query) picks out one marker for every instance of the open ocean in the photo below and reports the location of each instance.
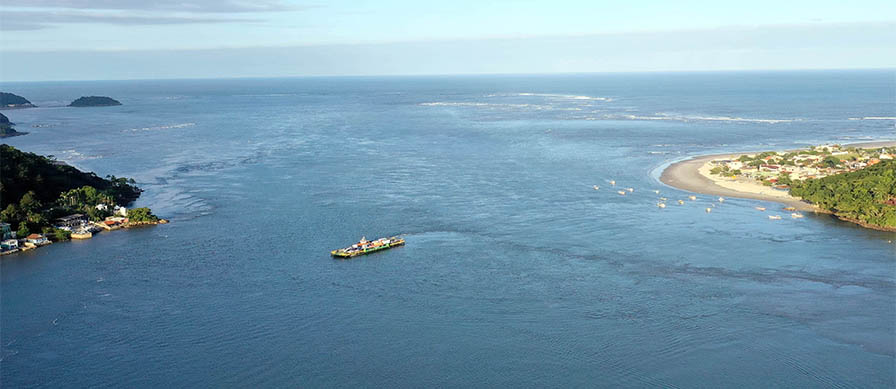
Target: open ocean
(515, 273)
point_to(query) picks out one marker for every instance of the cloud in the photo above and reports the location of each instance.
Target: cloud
(196, 6)
(25, 21)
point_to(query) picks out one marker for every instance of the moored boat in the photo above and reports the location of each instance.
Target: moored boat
(365, 246)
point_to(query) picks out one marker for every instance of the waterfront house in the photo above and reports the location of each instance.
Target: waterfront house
(102, 207)
(119, 210)
(9, 244)
(37, 239)
(71, 222)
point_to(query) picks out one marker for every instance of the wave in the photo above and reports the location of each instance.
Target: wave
(166, 127)
(538, 107)
(691, 118)
(875, 118)
(556, 96)
(72, 155)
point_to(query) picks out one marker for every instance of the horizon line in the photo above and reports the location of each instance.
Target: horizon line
(386, 75)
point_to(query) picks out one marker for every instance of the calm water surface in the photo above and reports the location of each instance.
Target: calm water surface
(516, 272)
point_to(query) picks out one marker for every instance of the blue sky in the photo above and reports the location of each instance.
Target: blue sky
(111, 39)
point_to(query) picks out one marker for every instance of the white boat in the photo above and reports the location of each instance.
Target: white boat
(680, 202)
(692, 198)
(656, 191)
(796, 215)
(612, 182)
(708, 210)
(596, 187)
(622, 192)
(774, 217)
(661, 205)
(721, 200)
(760, 208)
(663, 199)
(630, 190)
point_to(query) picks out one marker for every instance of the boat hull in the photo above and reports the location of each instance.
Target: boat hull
(342, 253)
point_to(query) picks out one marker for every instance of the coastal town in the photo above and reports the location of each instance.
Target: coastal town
(779, 169)
(74, 226)
(854, 183)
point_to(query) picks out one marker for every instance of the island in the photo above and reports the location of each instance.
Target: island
(7, 128)
(854, 183)
(94, 101)
(10, 101)
(45, 200)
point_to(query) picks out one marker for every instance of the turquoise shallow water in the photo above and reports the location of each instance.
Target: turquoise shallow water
(516, 271)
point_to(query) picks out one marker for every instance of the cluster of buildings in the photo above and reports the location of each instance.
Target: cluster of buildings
(815, 162)
(10, 243)
(79, 225)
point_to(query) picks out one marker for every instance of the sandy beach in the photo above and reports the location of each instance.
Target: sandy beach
(693, 175)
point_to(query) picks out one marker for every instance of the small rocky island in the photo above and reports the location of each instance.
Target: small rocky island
(94, 101)
(10, 101)
(7, 128)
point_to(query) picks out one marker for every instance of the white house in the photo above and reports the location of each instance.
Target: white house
(9, 244)
(37, 239)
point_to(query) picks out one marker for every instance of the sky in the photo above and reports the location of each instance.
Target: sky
(134, 39)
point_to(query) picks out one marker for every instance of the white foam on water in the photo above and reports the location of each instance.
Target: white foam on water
(691, 118)
(156, 128)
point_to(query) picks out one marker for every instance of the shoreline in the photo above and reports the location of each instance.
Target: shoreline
(691, 175)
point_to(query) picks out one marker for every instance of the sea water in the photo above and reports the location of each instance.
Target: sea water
(516, 271)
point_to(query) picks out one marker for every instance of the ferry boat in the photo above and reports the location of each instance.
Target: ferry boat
(365, 246)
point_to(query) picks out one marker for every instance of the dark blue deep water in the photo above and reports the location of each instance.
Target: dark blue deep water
(516, 272)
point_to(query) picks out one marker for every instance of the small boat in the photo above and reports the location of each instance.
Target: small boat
(630, 190)
(622, 192)
(596, 187)
(83, 234)
(708, 210)
(789, 209)
(612, 182)
(680, 202)
(774, 217)
(365, 246)
(692, 198)
(661, 205)
(796, 215)
(721, 200)
(656, 191)
(760, 208)
(663, 199)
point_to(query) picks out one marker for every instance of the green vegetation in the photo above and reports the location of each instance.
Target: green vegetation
(14, 101)
(138, 215)
(867, 196)
(94, 101)
(7, 128)
(35, 190)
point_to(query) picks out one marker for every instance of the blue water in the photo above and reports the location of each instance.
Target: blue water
(516, 272)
